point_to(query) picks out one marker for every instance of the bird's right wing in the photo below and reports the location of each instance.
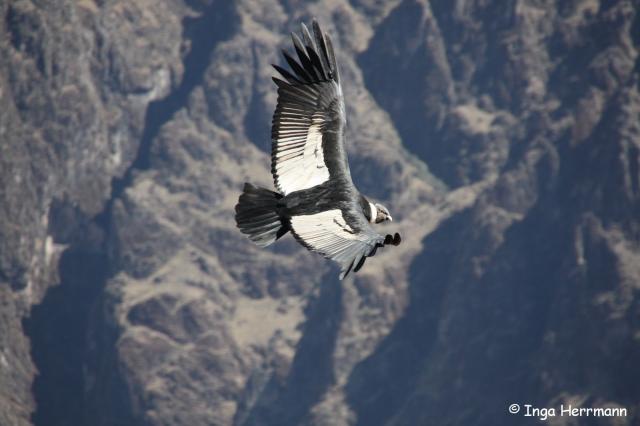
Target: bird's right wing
(329, 234)
(308, 124)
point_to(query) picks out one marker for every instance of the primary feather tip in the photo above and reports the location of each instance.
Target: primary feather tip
(316, 59)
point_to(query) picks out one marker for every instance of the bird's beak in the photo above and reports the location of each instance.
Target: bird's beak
(390, 218)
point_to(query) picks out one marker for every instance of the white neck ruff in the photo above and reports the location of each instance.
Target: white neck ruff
(373, 212)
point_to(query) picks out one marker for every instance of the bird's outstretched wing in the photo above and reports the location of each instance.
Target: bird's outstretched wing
(308, 125)
(329, 234)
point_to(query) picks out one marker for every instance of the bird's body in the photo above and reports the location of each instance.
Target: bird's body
(316, 199)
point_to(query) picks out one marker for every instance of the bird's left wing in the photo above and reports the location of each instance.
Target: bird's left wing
(329, 234)
(308, 124)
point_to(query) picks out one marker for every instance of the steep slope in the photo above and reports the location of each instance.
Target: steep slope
(531, 295)
(73, 95)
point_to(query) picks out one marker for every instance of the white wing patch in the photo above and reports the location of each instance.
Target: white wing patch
(328, 233)
(299, 159)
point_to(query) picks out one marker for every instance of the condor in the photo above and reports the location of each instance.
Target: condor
(316, 199)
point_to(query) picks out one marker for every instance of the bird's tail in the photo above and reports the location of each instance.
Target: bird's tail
(257, 215)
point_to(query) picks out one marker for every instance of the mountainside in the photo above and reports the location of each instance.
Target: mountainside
(503, 136)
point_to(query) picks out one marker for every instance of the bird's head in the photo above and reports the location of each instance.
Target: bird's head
(378, 213)
(382, 213)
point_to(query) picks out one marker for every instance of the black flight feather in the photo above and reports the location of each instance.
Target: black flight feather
(286, 74)
(344, 274)
(317, 63)
(312, 52)
(303, 92)
(322, 48)
(332, 59)
(304, 59)
(300, 72)
(280, 83)
(360, 264)
(306, 36)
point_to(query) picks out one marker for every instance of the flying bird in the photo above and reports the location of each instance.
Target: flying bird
(316, 199)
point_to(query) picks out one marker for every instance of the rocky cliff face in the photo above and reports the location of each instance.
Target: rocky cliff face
(505, 136)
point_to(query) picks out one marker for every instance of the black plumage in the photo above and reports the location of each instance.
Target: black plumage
(316, 199)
